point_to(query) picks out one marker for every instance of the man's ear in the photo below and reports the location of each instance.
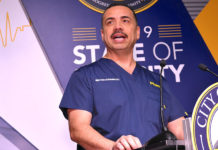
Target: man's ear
(138, 32)
(102, 34)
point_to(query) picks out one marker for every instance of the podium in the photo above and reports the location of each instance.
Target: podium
(200, 130)
(185, 144)
(166, 145)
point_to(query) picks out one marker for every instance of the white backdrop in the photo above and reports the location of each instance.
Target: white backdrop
(29, 93)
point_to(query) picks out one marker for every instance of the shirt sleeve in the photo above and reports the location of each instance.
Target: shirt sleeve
(78, 94)
(174, 108)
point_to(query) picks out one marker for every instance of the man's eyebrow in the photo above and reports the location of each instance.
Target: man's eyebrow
(124, 17)
(109, 18)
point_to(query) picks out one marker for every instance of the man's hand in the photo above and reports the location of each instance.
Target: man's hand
(128, 142)
(176, 127)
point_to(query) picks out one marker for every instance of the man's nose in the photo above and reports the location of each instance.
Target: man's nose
(118, 26)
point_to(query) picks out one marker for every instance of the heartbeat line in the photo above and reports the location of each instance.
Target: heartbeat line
(8, 27)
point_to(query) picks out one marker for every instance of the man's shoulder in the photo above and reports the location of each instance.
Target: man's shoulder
(149, 74)
(89, 67)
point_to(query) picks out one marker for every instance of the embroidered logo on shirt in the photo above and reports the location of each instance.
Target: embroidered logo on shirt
(152, 83)
(107, 79)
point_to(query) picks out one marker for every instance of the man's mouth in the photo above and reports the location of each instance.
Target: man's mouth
(119, 36)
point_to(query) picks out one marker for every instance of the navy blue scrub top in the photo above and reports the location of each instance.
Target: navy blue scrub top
(120, 103)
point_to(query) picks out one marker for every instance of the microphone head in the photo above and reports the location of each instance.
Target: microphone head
(203, 67)
(162, 63)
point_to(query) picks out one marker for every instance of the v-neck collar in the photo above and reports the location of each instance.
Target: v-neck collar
(120, 69)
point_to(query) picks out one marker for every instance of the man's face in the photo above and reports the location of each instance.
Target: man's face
(119, 31)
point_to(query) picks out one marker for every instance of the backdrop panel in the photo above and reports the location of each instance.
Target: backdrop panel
(69, 31)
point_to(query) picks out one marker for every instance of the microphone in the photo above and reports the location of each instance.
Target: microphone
(205, 68)
(162, 64)
(165, 134)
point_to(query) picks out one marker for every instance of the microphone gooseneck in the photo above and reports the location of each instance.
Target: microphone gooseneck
(165, 134)
(162, 64)
(205, 68)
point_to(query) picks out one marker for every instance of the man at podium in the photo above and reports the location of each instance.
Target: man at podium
(113, 103)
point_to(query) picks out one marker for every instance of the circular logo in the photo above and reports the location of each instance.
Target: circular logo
(100, 5)
(205, 120)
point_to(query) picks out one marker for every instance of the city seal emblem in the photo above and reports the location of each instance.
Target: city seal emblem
(205, 120)
(100, 5)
